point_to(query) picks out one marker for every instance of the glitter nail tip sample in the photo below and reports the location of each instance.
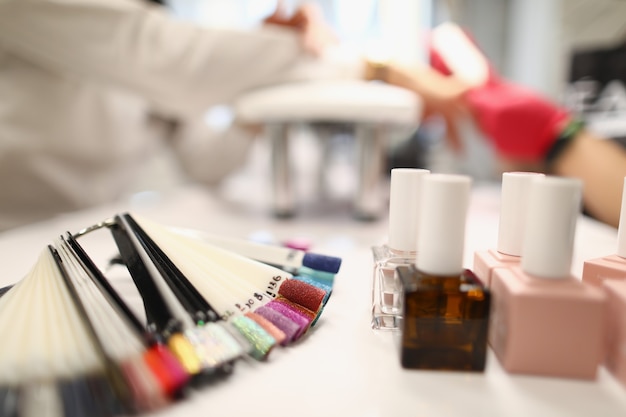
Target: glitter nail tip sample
(316, 283)
(303, 294)
(261, 341)
(305, 312)
(292, 314)
(268, 326)
(229, 348)
(287, 326)
(206, 347)
(167, 369)
(326, 277)
(321, 262)
(184, 351)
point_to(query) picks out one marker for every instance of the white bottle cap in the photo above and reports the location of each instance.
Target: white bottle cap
(553, 208)
(513, 203)
(404, 197)
(441, 225)
(621, 231)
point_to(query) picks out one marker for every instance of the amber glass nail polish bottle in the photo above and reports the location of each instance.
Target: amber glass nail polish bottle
(445, 307)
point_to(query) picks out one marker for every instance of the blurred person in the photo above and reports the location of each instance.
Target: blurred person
(90, 88)
(530, 132)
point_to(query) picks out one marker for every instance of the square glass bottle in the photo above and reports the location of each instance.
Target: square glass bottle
(386, 308)
(400, 248)
(446, 320)
(445, 308)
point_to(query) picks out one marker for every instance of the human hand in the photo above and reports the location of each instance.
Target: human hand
(520, 123)
(309, 21)
(442, 97)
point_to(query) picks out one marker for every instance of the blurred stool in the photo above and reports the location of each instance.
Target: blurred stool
(368, 106)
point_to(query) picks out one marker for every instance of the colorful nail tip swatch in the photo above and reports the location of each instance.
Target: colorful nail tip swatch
(269, 327)
(289, 328)
(322, 276)
(292, 314)
(305, 312)
(185, 353)
(105, 361)
(323, 263)
(321, 285)
(262, 343)
(167, 369)
(223, 347)
(306, 295)
(205, 348)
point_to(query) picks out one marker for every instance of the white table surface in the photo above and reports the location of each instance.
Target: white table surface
(343, 367)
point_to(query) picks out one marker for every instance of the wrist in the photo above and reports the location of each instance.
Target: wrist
(564, 140)
(376, 70)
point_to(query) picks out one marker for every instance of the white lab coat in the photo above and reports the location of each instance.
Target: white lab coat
(78, 79)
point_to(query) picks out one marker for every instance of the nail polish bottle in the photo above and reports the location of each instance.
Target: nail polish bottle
(445, 307)
(513, 199)
(616, 328)
(400, 248)
(613, 266)
(545, 321)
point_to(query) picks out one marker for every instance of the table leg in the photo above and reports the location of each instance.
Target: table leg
(369, 141)
(283, 199)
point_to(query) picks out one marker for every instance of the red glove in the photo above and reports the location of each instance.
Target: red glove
(520, 123)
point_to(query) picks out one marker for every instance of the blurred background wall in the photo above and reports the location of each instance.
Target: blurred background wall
(528, 41)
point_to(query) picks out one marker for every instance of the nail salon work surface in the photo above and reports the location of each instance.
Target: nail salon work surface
(343, 367)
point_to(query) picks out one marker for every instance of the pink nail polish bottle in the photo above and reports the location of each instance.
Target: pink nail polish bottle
(400, 248)
(513, 200)
(616, 328)
(613, 266)
(544, 320)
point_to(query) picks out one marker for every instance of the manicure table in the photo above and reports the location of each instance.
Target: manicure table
(342, 367)
(370, 109)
